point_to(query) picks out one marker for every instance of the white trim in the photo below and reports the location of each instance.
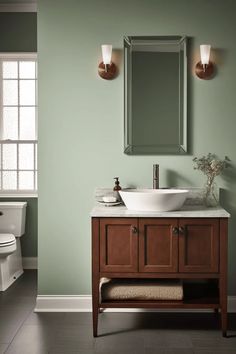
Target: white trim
(24, 7)
(18, 195)
(83, 303)
(60, 303)
(18, 55)
(26, 57)
(30, 262)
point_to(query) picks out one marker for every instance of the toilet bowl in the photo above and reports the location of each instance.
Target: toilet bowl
(12, 227)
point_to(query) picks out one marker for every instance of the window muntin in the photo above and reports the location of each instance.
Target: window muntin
(18, 123)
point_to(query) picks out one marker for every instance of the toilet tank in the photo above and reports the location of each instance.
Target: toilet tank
(12, 218)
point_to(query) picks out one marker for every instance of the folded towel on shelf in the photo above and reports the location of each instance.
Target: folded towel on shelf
(141, 289)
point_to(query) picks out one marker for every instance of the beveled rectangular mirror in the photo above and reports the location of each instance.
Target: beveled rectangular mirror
(155, 95)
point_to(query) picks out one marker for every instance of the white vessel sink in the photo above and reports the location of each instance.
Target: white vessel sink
(154, 199)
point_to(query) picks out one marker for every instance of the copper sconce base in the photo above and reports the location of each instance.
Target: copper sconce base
(204, 72)
(108, 71)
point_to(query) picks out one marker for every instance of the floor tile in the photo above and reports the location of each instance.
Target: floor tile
(32, 339)
(24, 332)
(11, 319)
(120, 341)
(3, 347)
(79, 318)
(70, 348)
(169, 351)
(45, 318)
(214, 350)
(212, 339)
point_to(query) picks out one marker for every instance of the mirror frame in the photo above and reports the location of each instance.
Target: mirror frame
(161, 149)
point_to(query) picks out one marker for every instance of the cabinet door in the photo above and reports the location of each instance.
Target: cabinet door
(199, 245)
(118, 245)
(158, 245)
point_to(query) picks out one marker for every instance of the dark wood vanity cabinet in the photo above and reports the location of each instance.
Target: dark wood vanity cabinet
(159, 245)
(182, 248)
(199, 245)
(118, 245)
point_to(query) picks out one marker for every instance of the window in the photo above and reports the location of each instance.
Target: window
(18, 123)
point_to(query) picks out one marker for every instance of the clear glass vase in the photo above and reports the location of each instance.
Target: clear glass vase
(211, 194)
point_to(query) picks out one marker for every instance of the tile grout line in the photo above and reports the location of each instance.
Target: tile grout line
(27, 315)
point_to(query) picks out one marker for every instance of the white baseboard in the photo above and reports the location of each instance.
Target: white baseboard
(60, 303)
(30, 262)
(83, 303)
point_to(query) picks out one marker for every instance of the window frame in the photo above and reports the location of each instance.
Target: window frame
(19, 56)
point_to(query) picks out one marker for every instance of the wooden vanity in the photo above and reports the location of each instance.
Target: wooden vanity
(189, 245)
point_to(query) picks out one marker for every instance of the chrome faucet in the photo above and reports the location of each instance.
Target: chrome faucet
(155, 176)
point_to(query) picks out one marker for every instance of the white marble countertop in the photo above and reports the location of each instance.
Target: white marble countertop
(187, 211)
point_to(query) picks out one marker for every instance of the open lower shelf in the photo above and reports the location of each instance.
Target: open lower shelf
(196, 295)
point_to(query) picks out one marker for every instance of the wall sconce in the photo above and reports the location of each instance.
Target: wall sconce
(107, 69)
(204, 68)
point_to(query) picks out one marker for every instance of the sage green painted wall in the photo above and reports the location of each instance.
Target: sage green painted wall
(18, 33)
(81, 119)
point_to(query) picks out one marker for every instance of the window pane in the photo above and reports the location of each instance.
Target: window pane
(26, 180)
(9, 180)
(10, 93)
(10, 70)
(27, 92)
(10, 123)
(27, 123)
(27, 70)
(26, 156)
(9, 156)
(36, 156)
(36, 180)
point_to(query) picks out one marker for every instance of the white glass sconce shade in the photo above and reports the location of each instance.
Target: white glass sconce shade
(205, 50)
(107, 69)
(204, 69)
(106, 53)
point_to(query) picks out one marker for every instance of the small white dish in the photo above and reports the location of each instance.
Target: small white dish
(109, 204)
(109, 199)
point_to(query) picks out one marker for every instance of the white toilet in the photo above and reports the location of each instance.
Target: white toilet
(12, 227)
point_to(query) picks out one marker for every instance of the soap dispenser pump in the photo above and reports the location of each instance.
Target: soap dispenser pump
(117, 184)
(117, 188)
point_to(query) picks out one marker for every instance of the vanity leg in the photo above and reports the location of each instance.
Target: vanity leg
(95, 300)
(95, 274)
(224, 321)
(95, 317)
(223, 274)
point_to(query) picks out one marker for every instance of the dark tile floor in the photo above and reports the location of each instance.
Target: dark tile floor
(24, 332)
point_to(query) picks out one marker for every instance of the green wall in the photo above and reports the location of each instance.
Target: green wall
(81, 119)
(18, 33)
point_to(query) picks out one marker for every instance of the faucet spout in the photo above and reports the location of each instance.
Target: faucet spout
(155, 176)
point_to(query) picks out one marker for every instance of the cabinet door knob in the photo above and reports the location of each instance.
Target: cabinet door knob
(134, 230)
(181, 230)
(175, 230)
(1, 213)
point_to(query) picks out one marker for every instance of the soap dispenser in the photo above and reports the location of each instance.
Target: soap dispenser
(117, 188)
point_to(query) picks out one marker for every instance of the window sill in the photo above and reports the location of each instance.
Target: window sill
(23, 195)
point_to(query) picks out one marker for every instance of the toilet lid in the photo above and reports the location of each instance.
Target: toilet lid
(7, 239)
